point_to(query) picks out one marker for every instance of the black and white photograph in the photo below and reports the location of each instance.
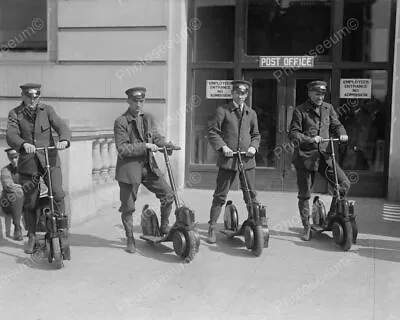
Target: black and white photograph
(199, 159)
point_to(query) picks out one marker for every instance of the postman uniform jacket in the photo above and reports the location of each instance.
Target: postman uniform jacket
(308, 122)
(229, 128)
(131, 135)
(21, 128)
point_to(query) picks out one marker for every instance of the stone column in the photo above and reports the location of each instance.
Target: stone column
(112, 152)
(105, 160)
(97, 164)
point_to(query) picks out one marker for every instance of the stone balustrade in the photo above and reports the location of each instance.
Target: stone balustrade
(104, 158)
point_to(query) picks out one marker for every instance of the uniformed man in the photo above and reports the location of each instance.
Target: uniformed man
(312, 121)
(233, 127)
(12, 195)
(136, 138)
(30, 126)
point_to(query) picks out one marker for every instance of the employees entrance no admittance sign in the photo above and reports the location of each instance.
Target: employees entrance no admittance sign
(219, 89)
(355, 88)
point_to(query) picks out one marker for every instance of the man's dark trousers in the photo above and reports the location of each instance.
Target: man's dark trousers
(225, 179)
(305, 182)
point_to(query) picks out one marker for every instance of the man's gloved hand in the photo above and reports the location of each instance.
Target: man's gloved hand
(227, 151)
(170, 147)
(29, 148)
(61, 145)
(344, 138)
(251, 152)
(317, 139)
(152, 147)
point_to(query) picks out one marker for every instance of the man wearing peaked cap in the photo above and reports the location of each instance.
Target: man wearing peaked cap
(234, 127)
(312, 121)
(241, 86)
(12, 195)
(136, 138)
(30, 126)
(137, 93)
(318, 86)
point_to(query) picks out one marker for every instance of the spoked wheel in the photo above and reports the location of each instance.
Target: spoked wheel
(186, 243)
(342, 234)
(56, 252)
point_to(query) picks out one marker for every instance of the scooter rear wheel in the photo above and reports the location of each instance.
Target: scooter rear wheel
(56, 250)
(342, 234)
(231, 217)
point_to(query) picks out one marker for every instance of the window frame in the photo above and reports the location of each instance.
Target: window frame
(30, 56)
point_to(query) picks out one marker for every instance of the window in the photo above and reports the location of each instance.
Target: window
(366, 26)
(23, 26)
(365, 123)
(289, 27)
(214, 41)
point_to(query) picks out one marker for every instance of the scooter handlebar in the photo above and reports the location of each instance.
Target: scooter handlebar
(242, 153)
(48, 148)
(174, 148)
(329, 139)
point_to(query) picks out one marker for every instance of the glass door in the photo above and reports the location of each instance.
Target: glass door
(267, 98)
(274, 100)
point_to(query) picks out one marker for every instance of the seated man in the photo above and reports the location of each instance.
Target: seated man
(12, 195)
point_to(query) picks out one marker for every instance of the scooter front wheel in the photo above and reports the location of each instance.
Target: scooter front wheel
(342, 234)
(354, 227)
(186, 244)
(56, 252)
(258, 245)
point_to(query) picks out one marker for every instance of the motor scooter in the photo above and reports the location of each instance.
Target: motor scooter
(343, 224)
(52, 229)
(183, 234)
(255, 228)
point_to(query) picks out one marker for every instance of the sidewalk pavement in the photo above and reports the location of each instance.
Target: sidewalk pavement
(292, 279)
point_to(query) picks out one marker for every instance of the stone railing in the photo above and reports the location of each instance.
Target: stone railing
(104, 159)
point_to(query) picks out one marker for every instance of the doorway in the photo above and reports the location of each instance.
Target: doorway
(274, 99)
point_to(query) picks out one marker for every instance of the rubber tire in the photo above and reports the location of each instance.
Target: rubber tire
(235, 221)
(56, 250)
(191, 245)
(347, 234)
(258, 241)
(354, 227)
(248, 230)
(48, 250)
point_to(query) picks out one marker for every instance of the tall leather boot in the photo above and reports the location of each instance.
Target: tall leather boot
(304, 210)
(165, 210)
(31, 222)
(127, 221)
(17, 214)
(7, 222)
(30, 248)
(17, 233)
(331, 213)
(215, 212)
